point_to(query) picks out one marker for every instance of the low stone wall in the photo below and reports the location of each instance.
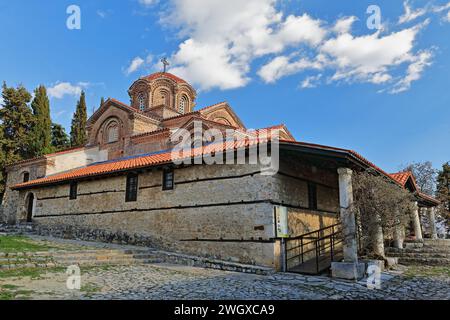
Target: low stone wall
(98, 235)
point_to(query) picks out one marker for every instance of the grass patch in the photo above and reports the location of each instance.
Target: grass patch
(12, 295)
(427, 271)
(9, 286)
(6, 295)
(10, 244)
(33, 273)
(89, 288)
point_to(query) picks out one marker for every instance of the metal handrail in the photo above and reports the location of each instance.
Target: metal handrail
(319, 244)
(315, 231)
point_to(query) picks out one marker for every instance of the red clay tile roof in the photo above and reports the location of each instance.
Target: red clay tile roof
(163, 158)
(149, 133)
(262, 130)
(167, 157)
(157, 75)
(401, 177)
(135, 163)
(181, 115)
(68, 150)
(211, 106)
(154, 117)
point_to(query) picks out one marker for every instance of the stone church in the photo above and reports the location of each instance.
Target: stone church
(123, 186)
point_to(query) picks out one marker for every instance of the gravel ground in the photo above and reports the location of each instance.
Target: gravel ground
(163, 281)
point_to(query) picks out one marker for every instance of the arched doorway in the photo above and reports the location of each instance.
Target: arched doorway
(30, 207)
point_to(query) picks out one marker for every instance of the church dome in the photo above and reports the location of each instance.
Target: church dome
(167, 75)
(162, 94)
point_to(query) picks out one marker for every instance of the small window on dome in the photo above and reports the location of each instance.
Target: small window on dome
(183, 104)
(141, 100)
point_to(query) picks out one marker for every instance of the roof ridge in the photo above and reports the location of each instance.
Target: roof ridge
(134, 109)
(213, 105)
(45, 156)
(168, 75)
(181, 115)
(149, 132)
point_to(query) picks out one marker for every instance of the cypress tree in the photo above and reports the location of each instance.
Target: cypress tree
(60, 140)
(17, 122)
(42, 129)
(78, 135)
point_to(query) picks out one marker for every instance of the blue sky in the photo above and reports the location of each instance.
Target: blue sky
(313, 65)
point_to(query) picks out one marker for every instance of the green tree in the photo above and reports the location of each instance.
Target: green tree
(443, 185)
(42, 129)
(2, 165)
(78, 135)
(60, 139)
(17, 122)
(102, 101)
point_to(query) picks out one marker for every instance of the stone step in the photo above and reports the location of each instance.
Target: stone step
(437, 242)
(419, 254)
(88, 256)
(27, 265)
(417, 250)
(100, 262)
(61, 253)
(23, 260)
(424, 261)
(100, 258)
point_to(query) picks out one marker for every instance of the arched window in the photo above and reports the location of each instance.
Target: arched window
(26, 176)
(112, 132)
(141, 100)
(29, 202)
(183, 104)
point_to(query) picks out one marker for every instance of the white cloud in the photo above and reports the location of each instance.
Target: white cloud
(366, 55)
(440, 9)
(148, 3)
(311, 82)
(135, 64)
(414, 72)
(222, 40)
(379, 78)
(344, 25)
(444, 7)
(367, 58)
(138, 63)
(226, 36)
(283, 66)
(104, 13)
(61, 89)
(411, 14)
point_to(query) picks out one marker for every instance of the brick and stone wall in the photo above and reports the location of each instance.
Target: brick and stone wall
(219, 211)
(292, 191)
(14, 175)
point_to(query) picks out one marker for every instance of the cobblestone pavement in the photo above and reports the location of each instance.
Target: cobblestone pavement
(162, 281)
